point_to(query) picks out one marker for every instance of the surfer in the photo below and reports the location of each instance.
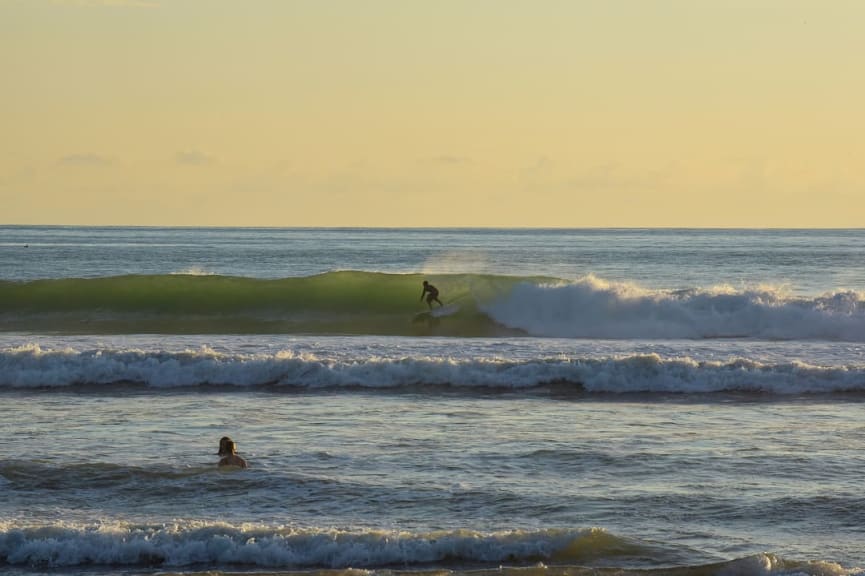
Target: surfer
(432, 294)
(228, 451)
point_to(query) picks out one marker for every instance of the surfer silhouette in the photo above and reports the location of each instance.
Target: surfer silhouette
(432, 294)
(228, 451)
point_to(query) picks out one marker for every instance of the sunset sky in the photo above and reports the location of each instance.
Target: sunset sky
(433, 113)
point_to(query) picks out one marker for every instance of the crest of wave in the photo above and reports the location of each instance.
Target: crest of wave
(193, 271)
(592, 307)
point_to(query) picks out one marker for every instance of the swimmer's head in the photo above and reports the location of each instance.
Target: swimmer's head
(226, 446)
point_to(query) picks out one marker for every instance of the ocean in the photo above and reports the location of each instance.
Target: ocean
(603, 401)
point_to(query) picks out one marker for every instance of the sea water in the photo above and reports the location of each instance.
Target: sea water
(604, 401)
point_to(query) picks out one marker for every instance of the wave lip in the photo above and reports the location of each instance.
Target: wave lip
(594, 308)
(30, 366)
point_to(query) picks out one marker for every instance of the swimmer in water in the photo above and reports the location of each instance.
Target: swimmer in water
(228, 451)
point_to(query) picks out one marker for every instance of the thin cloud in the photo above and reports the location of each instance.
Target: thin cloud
(450, 160)
(615, 176)
(86, 160)
(193, 158)
(538, 169)
(107, 3)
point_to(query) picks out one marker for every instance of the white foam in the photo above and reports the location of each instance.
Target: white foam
(32, 366)
(771, 565)
(193, 271)
(197, 543)
(191, 543)
(594, 308)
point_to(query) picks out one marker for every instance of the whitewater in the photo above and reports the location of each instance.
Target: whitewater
(603, 402)
(387, 363)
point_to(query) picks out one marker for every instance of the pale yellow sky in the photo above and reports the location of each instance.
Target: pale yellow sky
(433, 113)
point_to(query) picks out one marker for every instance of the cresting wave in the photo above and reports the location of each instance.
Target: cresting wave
(30, 366)
(190, 544)
(593, 308)
(387, 304)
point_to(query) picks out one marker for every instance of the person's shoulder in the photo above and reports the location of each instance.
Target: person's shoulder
(233, 460)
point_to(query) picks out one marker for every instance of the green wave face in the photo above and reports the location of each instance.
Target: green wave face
(332, 303)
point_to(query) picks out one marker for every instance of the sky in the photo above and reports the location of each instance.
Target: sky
(542, 113)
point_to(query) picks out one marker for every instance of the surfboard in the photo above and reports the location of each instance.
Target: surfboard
(436, 312)
(444, 310)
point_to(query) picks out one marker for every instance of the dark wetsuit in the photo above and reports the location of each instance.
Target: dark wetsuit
(432, 294)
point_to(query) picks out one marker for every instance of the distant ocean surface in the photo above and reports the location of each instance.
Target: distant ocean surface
(603, 401)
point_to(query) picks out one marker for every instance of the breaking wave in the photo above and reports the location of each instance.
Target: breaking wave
(594, 308)
(31, 366)
(188, 544)
(366, 303)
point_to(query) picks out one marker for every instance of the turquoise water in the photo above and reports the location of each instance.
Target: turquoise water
(661, 401)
